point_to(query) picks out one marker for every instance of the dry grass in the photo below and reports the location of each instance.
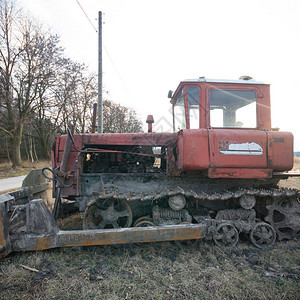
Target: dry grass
(154, 271)
(296, 163)
(292, 182)
(74, 222)
(7, 171)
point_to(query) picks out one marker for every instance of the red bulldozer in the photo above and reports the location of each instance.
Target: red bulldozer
(215, 176)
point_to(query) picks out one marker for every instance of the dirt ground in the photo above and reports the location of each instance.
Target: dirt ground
(166, 270)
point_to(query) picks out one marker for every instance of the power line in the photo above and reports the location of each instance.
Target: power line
(86, 16)
(116, 70)
(109, 57)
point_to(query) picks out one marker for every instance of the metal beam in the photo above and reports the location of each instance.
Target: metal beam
(109, 237)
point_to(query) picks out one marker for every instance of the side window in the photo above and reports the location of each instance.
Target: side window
(232, 108)
(193, 99)
(179, 113)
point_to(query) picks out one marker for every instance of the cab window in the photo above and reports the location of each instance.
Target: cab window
(193, 100)
(232, 108)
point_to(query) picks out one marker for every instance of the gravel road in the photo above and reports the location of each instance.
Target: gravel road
(11, 183)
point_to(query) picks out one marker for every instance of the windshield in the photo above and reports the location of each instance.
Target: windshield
(232, 108)
(193, 106)
(179, 115)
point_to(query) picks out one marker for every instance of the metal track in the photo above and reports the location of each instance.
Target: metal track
(226, 195)
(275, 201)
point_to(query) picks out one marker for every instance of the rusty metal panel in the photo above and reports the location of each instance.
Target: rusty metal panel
(131, 235)
(238, 148)
(140, 139)
(264, 108)
(85, 140)
(239, 173)
(111, 236)
(193, 151)
(4, 241)
(280, 150)
(5, 246)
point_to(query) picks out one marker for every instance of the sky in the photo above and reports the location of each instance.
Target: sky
(150, 46)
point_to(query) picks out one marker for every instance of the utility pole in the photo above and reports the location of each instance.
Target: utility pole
(100, 118)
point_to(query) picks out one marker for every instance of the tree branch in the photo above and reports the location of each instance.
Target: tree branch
(6, 131)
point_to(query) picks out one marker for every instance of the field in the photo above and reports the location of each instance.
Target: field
(293, 182)
(166, 270)
(6, 170)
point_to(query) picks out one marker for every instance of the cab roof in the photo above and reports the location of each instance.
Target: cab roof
(242, 81)
(246, 80)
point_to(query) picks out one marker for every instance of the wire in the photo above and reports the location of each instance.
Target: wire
(72, 139)
(116, 70)
(86, 16)
(56, 176)
(109, 57)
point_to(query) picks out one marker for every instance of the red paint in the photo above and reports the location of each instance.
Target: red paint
(263, 100)
(239, 173)
(193, 153)
(280, 154)
(150, 121)
(237, 136)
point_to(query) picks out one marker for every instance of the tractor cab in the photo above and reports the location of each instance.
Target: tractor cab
(224, 129)
(205, 103)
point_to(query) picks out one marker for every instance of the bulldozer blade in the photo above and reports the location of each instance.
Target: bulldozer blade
(31, 226)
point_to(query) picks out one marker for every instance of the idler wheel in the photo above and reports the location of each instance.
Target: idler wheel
(262, 235)
(107, 213)
(247, 201)
(226, 236)
(177, 202)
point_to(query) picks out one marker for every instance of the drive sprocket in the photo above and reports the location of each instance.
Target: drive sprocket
(284, 216)
(107, 213)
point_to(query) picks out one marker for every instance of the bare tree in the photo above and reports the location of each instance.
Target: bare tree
(27, 71)
(48, 107)
(66, 92)
(69, 99)
(118, 118)
(41, 88)
(11, 47)
(88, 94)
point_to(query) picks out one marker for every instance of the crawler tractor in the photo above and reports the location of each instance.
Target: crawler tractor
(215, 176)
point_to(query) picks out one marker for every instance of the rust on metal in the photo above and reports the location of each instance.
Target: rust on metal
(112, 236)
(66, 155)
(239, 173)
(94, 126)
(130, 235)
(150, 121)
